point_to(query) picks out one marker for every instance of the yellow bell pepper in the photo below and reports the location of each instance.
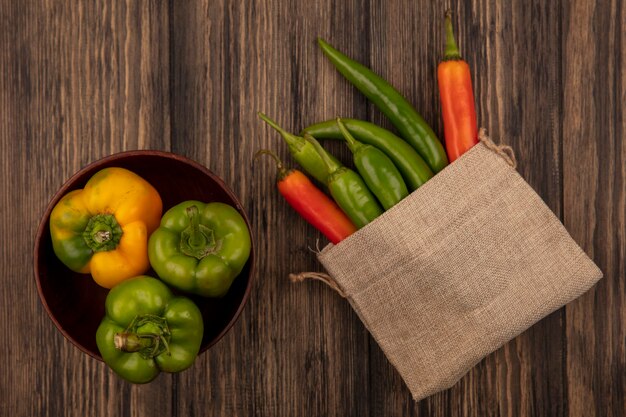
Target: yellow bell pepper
(103, 229)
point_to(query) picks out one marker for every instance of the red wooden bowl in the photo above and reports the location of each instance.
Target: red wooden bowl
(75, 303)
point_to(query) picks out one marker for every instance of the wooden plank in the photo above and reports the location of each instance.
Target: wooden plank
(79, 81)
(296, 348)
(594, 192)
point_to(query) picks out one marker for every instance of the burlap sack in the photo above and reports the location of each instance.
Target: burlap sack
(461, 266)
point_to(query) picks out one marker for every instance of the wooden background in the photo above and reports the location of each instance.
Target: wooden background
(83, 79)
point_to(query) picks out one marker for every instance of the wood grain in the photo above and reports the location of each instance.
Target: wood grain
(594, 193)
(83, 80)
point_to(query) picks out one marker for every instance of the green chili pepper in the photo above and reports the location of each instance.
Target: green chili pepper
(348, 189)
(410, 124)
(380, 174)
(200, 248)
(412, 167)
(303, 152)
(147, 330)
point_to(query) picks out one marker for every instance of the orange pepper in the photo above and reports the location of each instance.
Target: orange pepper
(457, 99)
(103, 229)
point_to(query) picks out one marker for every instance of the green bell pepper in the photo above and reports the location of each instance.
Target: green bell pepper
(200, 248)
(147, 330)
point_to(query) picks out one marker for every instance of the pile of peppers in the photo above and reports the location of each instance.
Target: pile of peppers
(387, 166)
(113, 230)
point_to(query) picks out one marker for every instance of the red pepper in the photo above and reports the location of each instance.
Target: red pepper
(311, 203)
(457, 99)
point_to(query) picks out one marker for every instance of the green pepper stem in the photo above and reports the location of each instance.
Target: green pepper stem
(148, 344)
(353, 144)
(295, 142)
(197, 240)
(452, 50)
(282, 172)
(102, 233)
(331, 165)
(132, 342)
(102, 236)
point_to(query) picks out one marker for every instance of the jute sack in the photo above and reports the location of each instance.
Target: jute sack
(458, 268)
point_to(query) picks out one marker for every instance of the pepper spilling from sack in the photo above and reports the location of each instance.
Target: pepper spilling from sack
(439, 292)
(311, 203)
(388, 166)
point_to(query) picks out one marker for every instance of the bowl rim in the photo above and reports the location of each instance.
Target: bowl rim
(41, 230)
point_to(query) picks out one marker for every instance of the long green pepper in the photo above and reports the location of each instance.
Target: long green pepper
(410, 124)
(378, 171)
(303, 152)
(412, 167)
(348, 189)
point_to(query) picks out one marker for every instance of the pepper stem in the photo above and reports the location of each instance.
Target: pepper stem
(148, 343)
(282, 171)
(331, 165)
(196, 240)
(353, 144)
(102, 236)
(131, 342)
(294, 142)
(452, 50)
(102, 233)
